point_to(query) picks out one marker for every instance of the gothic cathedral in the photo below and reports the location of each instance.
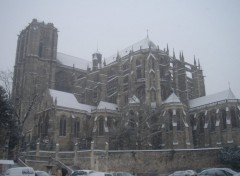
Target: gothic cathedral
(142, 97)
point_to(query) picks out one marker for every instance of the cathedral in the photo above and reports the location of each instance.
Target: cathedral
(142, 97)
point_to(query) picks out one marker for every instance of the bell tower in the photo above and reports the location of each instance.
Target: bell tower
(34, 66)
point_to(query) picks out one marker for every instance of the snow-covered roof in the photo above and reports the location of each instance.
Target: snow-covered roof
(172, 99)
(144, 44)
(224, 95)
(106, 105)
(68, 100)
(133, 99)
(6, 162)
(68, 60)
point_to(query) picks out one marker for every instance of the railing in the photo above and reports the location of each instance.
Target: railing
(20, 162)
(62, 165)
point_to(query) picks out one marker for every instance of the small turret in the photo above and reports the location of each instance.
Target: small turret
(195, 63)
(97, 60)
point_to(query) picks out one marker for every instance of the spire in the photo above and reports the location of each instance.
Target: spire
(195, 64)
(104, 62)
(147, 33)
(182, 57)
(118, 56)
(174, 57)
(199, 64)
(167, 50)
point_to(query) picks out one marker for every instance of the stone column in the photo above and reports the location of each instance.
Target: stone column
(37, 150)
(206, 130)
(92, 156)
(229, 126)
(187, 131)
(147, 84)
(106, 158)
(218, 129)
(75, 159)
(174, 124)
(57, 152)
(163, 131)
(158, 86)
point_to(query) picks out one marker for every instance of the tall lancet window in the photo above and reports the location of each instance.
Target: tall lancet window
(101, 127)
(76, 129)
(40, 50)
(63, 127)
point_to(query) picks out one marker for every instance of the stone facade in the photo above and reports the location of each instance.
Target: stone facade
(153, 99)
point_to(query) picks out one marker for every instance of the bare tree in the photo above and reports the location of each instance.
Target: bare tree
(6, 79)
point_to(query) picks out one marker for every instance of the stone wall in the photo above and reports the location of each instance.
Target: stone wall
(162, 161)
(155, 161)
(140, 161)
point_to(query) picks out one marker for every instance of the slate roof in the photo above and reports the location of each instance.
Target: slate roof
(224, 95)
(68, 60)
(144, 44)
(173, 98)
(107, 105)
(68, 100)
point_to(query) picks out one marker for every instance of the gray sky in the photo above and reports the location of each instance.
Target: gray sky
(210, 30)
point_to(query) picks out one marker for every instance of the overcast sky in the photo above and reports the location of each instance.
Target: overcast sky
(208, 29)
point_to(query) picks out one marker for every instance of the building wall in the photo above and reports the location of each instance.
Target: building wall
(139, 161)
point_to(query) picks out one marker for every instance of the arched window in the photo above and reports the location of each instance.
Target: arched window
(63, 127)
(77, 129)
(101, 127)
(201, 123)
(169, 121)
(192, 121)
(179, 121)
(213, 121)
(40, 50)
(224, 122)
(234, 119)
(151, 63)
(63, 81)
(152, 79)
(139, 73)
(141, 93)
